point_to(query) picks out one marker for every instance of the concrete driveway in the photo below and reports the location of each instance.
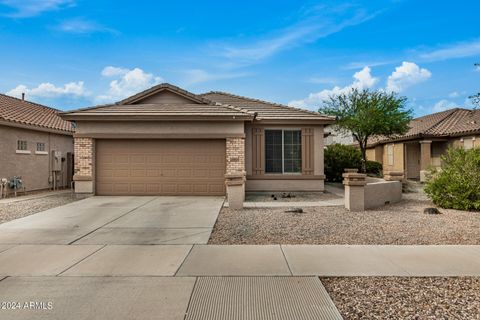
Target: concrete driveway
(118, 220)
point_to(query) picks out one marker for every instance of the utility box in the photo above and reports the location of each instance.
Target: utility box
(56, 160)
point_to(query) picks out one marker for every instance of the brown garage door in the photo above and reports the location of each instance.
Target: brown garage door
(165, 167)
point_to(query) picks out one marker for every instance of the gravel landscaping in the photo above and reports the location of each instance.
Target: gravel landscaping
(22, 208)
(405, 298)
(403, 223)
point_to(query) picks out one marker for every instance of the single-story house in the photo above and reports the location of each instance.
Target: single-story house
(426, 141)
(35, 143)
(168, 141)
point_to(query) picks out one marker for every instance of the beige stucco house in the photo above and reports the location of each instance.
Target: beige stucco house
(30, 134)
(167, 141)
(427, 140)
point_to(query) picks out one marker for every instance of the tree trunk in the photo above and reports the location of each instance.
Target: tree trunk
(363, 149)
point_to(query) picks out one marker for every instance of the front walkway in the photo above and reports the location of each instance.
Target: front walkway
(238, 260)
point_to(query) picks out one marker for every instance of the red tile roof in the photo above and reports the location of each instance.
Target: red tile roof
(453, 122)
(32, 114)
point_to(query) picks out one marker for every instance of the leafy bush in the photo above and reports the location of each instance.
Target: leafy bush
(457, 184)
(374, 167)
(338, 157)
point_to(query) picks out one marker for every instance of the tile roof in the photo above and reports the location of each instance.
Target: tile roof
(265, 110)
(32, 114)
(453, 122)
(163, 110)
(162, 86)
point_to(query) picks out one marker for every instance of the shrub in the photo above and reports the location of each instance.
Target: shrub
(338, 157)
(374, 167)
(457, 184)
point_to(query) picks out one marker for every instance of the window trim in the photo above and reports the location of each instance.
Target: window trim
(41, 144)
(19, 142)
(283, 173)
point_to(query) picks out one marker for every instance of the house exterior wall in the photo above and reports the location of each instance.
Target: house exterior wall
(375, 154)
(158, 129)
(459, 142)
(398, 158)
(33, 167)
(285, 182)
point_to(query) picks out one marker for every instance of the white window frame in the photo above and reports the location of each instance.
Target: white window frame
(283, 151)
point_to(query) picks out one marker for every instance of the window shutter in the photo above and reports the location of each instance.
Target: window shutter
(307, 151)
(258, 151)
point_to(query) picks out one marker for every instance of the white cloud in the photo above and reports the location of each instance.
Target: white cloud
(82, 26)
(194, 76)
(443, 105)
(31, 8)
(49, 90)
(363, 79)
(130, 82)
(316, 23)
(454, 94)
(405, 76)
(457, 50)
(111, 71)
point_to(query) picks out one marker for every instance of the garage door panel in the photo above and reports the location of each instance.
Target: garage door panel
(169, 167)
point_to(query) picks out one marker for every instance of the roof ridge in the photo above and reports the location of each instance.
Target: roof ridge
(262, 101)
(160, 86)
(31, 102)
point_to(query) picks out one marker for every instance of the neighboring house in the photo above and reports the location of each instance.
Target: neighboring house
(167, 141)
(427, 140)
(334, 136)
(29, 134)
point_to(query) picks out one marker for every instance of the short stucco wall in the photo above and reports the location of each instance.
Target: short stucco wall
(284, 185)
(379, 193)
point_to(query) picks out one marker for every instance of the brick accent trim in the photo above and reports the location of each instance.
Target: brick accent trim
(235, 153)
(84, 149)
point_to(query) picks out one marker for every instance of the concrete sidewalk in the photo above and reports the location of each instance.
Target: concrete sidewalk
(238, 260)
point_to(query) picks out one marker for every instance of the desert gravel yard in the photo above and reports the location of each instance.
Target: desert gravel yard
(405, 298)
(403, 223)
(22, 208)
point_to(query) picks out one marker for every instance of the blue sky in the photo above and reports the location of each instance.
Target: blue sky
(74, 53)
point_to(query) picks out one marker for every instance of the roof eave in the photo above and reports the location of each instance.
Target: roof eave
(27, 126)
(146, 117)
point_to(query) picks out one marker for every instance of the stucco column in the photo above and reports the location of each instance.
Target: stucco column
(425, 158)
(354, 191)
(235, 176)
(84, 155)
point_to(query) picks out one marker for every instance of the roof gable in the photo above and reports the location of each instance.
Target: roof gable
(165, 93)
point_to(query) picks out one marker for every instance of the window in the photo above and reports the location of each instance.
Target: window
(283, 151)
(22, 145)
(390, 154)
(40, 146)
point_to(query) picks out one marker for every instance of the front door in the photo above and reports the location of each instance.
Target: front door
(413, 160)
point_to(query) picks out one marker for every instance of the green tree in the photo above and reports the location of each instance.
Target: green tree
(367, 114)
